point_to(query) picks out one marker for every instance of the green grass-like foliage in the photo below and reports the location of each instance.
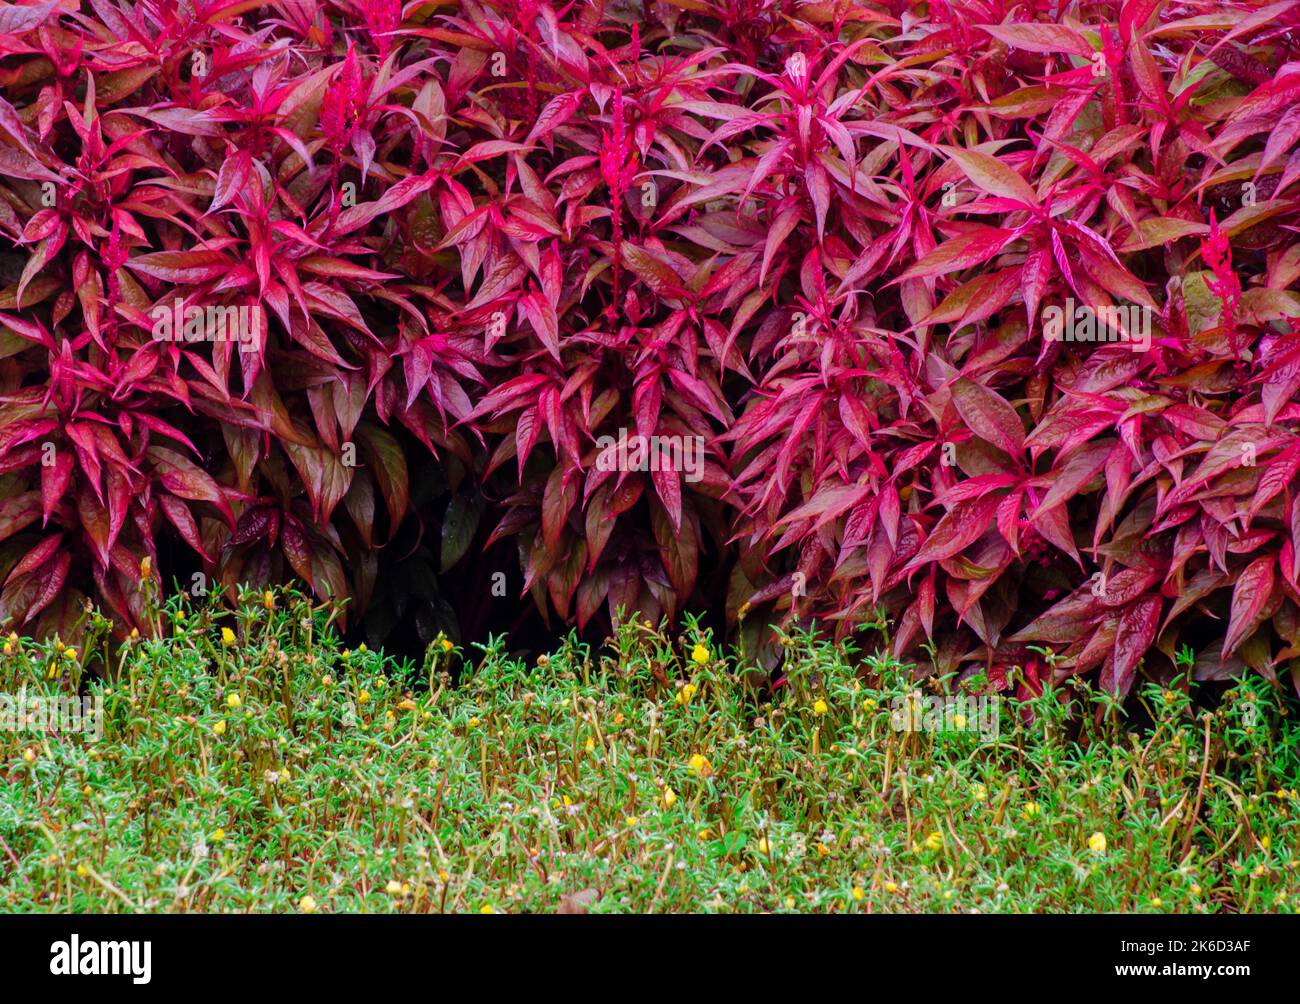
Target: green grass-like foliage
(267, 768)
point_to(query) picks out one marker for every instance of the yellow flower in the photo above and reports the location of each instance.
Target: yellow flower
(631, 820)
(591, 744)
(789, 902)
(447, 645)
(959, 722)
(487, 908)
(869, 705)
(857, 892)
(70, 655)
(29, 755)
(1196, 889)
(268, 601)
(1097, 843)
(1156, 901)
(934, 841)
(218, 835)
(146, 567)
(82, 870)
(1031, 810)
(979, 792)
(87, 790)
(700, 765)
(227, 637)
(363, 697)
(670, 797)
(308, 903)
(891, 887)
(1266, 842)
(361, 649)
(406, 704)
(763, 846)
(820, 707)
(233, 701)
(700, 654)
(686, 693)
(220, 728)
(393, 888)
(8, 648)
(473, 722)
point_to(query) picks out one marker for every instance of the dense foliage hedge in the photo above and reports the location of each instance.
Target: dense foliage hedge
(827, 239)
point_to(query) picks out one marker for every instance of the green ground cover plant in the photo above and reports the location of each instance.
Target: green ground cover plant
(250, 762)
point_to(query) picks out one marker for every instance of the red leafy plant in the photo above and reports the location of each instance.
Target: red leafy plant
(1005, 495)
(824, 250)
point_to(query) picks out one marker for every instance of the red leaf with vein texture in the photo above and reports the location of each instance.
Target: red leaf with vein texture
(1133, 636)
(1250, 594)
(989, 415)
(960, 527)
